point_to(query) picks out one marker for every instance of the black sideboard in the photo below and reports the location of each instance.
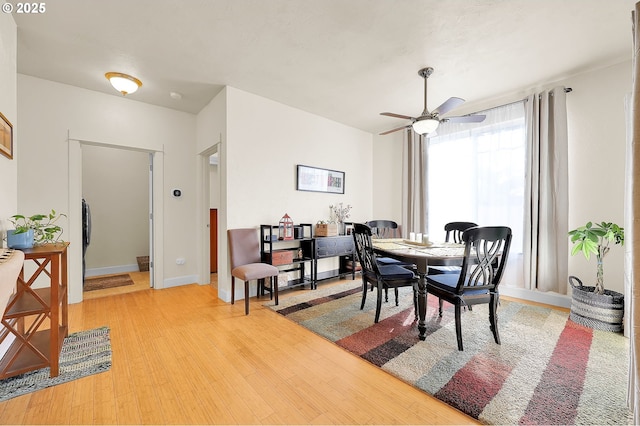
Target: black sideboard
(341, 246)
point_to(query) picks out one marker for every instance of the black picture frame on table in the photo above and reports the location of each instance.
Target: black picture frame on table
(316, 179)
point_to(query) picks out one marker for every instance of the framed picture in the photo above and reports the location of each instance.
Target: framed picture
(320, 180)
(6, 137)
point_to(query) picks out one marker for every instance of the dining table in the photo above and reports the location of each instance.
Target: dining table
(423, 255)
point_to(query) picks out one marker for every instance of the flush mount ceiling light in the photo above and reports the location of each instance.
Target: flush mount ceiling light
(123, 83)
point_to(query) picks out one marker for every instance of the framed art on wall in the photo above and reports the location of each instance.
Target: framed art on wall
(6, 137)
(320, 180)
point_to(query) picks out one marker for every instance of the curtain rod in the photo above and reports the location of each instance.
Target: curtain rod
(566, 90)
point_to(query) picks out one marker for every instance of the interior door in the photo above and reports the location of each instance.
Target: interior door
(213, 239)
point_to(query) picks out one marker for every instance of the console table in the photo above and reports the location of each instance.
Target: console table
(324, 247)
(37, 317)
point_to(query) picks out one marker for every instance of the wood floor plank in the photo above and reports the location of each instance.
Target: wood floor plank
(182, 356)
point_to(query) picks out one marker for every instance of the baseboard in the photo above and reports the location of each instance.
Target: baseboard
(108, 270)
(178, 281)
(548, 298)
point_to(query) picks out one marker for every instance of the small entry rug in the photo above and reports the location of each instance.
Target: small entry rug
(100, 283)
(83, 354)
(548, 369)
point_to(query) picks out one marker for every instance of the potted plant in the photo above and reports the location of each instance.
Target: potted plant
(595, 306)
(34, 230)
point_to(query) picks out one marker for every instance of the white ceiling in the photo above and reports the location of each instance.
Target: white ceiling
(347, 60)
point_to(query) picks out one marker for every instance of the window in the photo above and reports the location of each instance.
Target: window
(476, 173)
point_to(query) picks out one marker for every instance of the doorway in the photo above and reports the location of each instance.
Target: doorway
(117, 187)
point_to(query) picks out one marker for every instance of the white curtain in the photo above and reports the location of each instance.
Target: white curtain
(546, 247)
(632, 230)
(476, 173)
(414, 181)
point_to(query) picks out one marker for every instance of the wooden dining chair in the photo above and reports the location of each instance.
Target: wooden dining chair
(380, 276)
(485, 255)
(246, 265)
(453, 234)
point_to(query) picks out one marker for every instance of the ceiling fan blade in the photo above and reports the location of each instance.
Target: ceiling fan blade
(448, 105)
(395, 130)
(391, 114)
(466, 119)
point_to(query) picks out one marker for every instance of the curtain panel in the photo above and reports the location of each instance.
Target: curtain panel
(546, 247)
(414, 183)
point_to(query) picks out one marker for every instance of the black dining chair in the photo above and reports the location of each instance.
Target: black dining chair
(383, 228)
(378, 275)
(453, 234)
(485, 255)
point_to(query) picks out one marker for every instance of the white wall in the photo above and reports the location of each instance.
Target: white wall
(8, 167)
(51, 113)
(9, 108)
(387, 177)
(597, 140)
(115, 184)
(263, 143)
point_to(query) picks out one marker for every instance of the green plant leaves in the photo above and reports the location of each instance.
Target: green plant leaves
(44, 228)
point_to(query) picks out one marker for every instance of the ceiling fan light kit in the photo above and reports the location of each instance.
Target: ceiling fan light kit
(425, 126)
(428, 122)
(123, 83)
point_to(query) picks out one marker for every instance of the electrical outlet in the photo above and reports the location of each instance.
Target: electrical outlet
(180, 261)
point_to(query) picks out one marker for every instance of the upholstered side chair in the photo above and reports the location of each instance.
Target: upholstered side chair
(246, 265)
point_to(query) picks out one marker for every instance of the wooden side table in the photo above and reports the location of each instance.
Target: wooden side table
(37, 317)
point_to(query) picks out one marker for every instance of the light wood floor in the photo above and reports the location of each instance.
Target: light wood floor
(181, 356)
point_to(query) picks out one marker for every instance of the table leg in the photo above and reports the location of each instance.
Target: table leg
(422, 305)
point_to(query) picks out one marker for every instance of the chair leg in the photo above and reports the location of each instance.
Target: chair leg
(415, 302)
(378, 303)
(246, 297)
(386, 294)
(440, 303)
(364, 293)
(396, 292)
(493, 316)
(459, 326)
(274, 282)
(233, 289)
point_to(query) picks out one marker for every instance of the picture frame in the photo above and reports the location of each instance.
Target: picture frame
(6, 137)
(316, 179)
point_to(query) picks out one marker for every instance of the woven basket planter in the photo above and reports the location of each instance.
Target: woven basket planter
(597, 311)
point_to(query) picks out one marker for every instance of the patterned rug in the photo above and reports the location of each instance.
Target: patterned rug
(83, 354)
(109, 281)
(548, 369)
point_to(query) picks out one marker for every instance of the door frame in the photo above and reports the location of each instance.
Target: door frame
(74, 255)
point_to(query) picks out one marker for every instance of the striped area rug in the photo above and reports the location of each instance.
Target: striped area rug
(548, 369)
(83, 353)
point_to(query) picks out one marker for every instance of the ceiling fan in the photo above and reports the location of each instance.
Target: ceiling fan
(427, 122)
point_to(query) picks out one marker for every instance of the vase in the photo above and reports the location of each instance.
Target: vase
(341, 228)
(23, 240)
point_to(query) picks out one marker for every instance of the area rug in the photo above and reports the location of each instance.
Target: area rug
(111, 281)
(83, 354)
(547, 370)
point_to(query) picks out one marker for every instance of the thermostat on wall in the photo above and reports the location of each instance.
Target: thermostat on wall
(177, 193)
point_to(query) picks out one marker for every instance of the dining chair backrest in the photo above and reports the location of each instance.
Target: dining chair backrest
(383, 228)
(485, 256)
(364, 248)
(454, 231)
(244, 246)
